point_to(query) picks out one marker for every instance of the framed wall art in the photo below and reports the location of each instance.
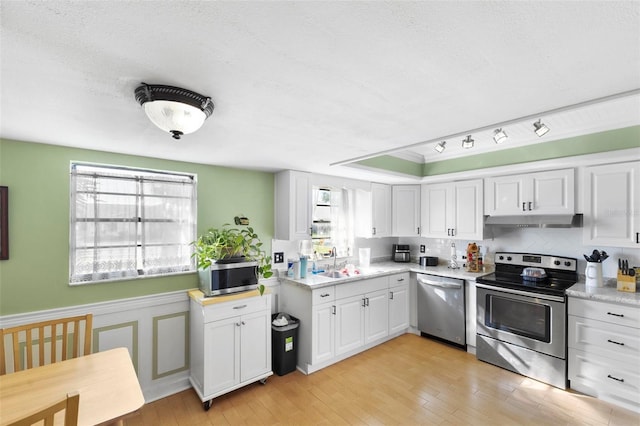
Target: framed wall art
(4, 223)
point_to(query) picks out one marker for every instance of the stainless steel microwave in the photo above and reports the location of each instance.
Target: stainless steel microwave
(225, 278)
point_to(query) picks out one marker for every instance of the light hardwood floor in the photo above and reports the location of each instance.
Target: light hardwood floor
(408, 380)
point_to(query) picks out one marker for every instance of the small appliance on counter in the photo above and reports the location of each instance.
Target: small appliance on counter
(401, 253)
(428, 261)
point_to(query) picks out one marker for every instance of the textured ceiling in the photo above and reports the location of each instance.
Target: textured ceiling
(302, 85)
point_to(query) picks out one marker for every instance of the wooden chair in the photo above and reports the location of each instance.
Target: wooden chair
(46, 334)
(69, 405)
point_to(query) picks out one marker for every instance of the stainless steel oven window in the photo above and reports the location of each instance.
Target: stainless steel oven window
(519, 317)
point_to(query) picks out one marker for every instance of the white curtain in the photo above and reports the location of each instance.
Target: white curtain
(342, 221)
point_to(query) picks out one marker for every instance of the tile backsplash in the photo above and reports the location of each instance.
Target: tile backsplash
(555, 241)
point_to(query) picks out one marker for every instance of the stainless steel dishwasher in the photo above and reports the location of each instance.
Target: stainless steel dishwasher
(441, 308)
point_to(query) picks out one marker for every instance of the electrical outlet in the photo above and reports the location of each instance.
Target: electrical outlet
(422, 248)
(278, 257)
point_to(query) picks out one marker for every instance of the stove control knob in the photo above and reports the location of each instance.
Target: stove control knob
(509, 258)
(556, 262)
(567, 263)
(501, 258)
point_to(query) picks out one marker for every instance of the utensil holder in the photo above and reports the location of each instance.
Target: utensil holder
(593, 274)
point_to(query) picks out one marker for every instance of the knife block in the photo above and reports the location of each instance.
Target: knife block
(627, 283)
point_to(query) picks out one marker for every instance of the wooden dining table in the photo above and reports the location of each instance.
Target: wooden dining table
(106, 381)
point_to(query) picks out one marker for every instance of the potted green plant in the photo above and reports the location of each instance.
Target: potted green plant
(229, 244)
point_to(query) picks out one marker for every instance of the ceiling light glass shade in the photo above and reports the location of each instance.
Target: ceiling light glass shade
(467, 142)
(174, 110)
(440, 146)
(540, 128)
(500, 136)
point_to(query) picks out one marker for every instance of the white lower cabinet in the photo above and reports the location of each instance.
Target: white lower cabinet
(341, 320)
(322, 333)
(604, 349)
(399, 303)
(230, 344)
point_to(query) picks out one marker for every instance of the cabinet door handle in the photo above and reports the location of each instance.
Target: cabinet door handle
(237, 324)
(615, 315)
(374, 231)
(240, 307)
(364, 302)
(243, 323)
(333, 309)
(311, 231)
(615, 378)
(390, 295)
(418, 230)
(367, 299)
(637, 237)
(453, 232)
(530, 205)
(523, 208)
(614, 342)
(449, 232)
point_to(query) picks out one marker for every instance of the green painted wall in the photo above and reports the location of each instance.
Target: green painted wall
(36, 275)
(611, 140)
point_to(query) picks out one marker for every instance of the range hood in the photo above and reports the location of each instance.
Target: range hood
(536, 221)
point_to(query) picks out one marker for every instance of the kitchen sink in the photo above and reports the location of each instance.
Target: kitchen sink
(334, 274)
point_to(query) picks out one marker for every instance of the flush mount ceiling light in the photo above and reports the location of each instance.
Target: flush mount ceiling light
(467, 142)
(540, 128)
(440, 146)
(499, 136)
(174, 110)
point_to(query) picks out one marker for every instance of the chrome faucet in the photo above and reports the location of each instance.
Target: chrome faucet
(335, 257)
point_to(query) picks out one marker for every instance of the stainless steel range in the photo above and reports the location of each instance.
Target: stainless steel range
(522, 315)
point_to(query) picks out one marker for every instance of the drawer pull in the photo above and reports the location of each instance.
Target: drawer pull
(240, 307)
(614, 342)
(615, 378)
(615, 315)
(325, 295)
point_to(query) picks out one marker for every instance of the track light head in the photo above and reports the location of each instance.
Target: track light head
(540, 128)
(499, 136)
(440, 146)
(467, 142)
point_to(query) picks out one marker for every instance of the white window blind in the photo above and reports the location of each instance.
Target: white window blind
(127, 223)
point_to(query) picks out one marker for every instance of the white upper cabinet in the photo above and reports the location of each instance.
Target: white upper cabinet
(373, 211)
(550, 192)
(453, 210)
(405, 210)
(381, 195)
(612, 205)
(292, 205)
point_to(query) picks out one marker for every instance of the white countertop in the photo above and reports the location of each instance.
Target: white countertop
(608, 293)
(387, 268)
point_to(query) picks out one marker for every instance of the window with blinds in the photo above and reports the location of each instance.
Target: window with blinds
(128, 223)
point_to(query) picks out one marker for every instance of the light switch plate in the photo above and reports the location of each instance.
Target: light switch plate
(422, 248)
(278, 257)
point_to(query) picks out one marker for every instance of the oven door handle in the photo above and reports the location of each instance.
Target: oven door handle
(521, 293)
(442, 284)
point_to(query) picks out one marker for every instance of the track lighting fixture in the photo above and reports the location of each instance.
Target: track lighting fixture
(440, 146)
(499, 136)
(174, 110)
(540, 128)
(467, 142)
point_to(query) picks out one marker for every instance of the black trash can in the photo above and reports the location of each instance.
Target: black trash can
(284, 345)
